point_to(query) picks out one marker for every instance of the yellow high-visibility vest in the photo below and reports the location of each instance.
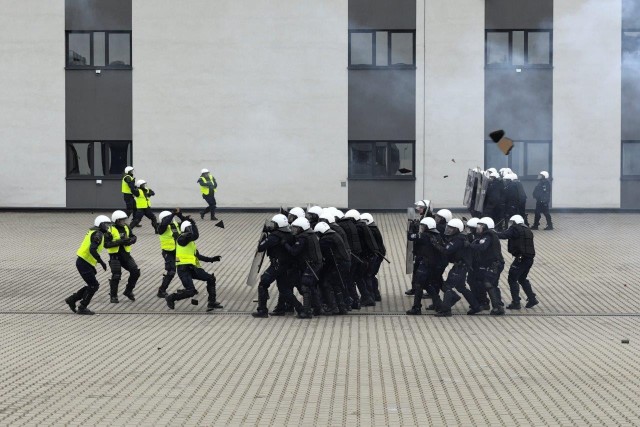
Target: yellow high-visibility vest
(204, 189)
(142, 200)
(186, 255)
(83, 251)
(167, 242)
(116, 236)
(125, 184)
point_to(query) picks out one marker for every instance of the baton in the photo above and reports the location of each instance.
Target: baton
(314, 273)
(338, 270)
(383, 257)
(357, 258)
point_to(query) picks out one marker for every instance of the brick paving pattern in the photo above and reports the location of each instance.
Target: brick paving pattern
(137, 363)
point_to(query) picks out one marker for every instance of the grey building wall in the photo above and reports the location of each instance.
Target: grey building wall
(630, 187)
(519, 99)
(382, 102)
(98, 107)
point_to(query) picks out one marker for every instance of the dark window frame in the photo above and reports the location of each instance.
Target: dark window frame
(622, 51)
(624, 177)
(371, 176)
(527, 176)
(526, 49)
(69, 66)
(105, 162)
(373, 65)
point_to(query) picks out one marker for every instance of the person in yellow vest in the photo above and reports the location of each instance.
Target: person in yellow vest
(127, 187)
(208, 187)
(188, 265)
(169, 230)
(143, 195)
(88, 257)
(118, 242)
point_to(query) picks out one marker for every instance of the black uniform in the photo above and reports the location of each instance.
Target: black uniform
(490, 265)
(476, 285)
(370, 252)
(542, 194)
(512, 200)
(122, 259)
(88, 274)
(187, 273)
(168, 256)
(522, 207)
(279, 271)
(375, 268)
(334, 254)
(428, 262)
(129, 200)
(137, 216)
(308, 259)
(494, 200)
(521, 246)
(458, 254)
(357, 265)
(209, 198)
(345, 266)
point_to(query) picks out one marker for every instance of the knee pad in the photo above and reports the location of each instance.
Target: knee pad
(170, 273)
(93, 287)
(116, 277)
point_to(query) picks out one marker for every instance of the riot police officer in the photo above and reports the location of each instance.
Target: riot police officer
(168, 231)
(344, 266)
(278, 234)
(355, 276)
(118, 242)
(382, 251)
(127, 186)
(143, 205)
(334, 253)
(542, 194)
(308, 258)
(368, 247)
(313, 215)
(520, 245)
(370, 253)
(511, 197)
(476, 285)
(208, 187)
(490, 262)
(423, 209)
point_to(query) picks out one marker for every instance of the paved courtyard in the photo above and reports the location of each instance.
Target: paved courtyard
(136, 363)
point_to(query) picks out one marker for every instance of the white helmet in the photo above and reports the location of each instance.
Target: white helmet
(328, 216)
(322, 228)
(280, 220)
(423, 203)
(338, 213)
(488, 222)
(118, 215)
(513, 176)
(352, 213)
(301, 223)
(128, 169)
(493, 170)
(457, 224)
(429, 222)
(445, 213)
(367, 217)
(185, 225)
(545, 174)
(315, 210)
(204, 171)
(297, 212)
(140, 182)
(473, 222)
(101, 219)
(163, 215)
(517, 219)
(508, 177)
(505, 171)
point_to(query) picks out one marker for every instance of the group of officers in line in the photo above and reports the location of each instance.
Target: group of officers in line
(505, 197)
(474, 252)
(177, 233)
(332, 258)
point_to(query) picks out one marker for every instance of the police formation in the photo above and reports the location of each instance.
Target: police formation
(332, 258)
(177, 234)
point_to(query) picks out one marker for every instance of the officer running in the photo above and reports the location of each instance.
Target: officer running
(118, 242)
(143, 205)
(127, 188)
(168, 231)
(208, 187)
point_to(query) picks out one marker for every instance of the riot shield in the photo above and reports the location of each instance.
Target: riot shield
(481, 191)
(256, 263)
(468, 190)
(411, 216)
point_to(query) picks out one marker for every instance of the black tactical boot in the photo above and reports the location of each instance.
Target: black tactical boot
(129, 294)
(162, 293)
(444, 313)
(549, 227)
(531, 302)
(84, 310)
(410, 291)
(213, 305)
(71, 303)
(114, 299)
(260, 313)
(514, 306)
(414, 311)
(496, 302)
(473, 310)
(170, 302)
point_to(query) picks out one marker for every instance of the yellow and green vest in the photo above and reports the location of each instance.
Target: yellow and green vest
(142, 200)
(204, 189)
(167, 242)
(116, 236)
(125, 185)
(186, 255)
(83, 251)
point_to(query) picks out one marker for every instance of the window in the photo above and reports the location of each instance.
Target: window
(631, 159)
(99, 49)
(630, 48)
(381, 160)
(526, 159)
(88, 159)
(518, 48)
(369, 49)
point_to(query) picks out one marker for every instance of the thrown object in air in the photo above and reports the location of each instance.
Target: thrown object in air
(220, 224)
(504, 144)
(404, 170)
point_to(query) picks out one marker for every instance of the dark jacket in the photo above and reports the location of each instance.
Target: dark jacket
(542, 192)
(520, 241)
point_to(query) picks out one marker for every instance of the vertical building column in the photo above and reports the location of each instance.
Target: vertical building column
(587, 103)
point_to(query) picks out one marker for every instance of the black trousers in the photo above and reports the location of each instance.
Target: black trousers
(425, 277)
(169, 267)
(117, 262)
(88, 274)
(211, 202)
(476, 286)
(489, 276)
(144, 212)
(279, 274)
(358, 276)
(456, 281)
(130, 203)
(518, 273)
(541, 209)
(189, 273)
(374, 267)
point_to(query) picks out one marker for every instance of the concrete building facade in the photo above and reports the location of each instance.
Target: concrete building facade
(367, 104)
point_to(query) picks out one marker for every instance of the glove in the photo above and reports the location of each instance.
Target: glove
(216, 258)
(104, 266)
(133, 239)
